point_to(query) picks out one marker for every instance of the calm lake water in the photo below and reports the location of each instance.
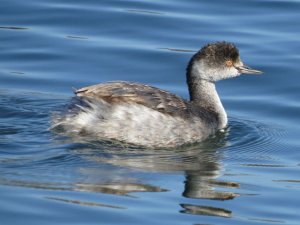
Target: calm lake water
(247, 175)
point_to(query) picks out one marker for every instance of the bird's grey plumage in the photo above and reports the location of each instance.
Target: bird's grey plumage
(145, 115)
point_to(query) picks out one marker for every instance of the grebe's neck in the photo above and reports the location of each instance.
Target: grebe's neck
(204, 93)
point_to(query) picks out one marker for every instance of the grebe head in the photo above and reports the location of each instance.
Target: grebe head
(217, 61)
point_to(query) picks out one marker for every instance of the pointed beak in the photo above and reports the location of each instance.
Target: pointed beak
(247, 70)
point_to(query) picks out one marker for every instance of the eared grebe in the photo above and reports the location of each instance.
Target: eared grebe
(145, 115)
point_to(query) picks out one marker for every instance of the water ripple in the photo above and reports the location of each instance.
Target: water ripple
(250, 140)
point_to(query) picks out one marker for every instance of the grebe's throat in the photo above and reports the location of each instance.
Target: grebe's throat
(204, 94)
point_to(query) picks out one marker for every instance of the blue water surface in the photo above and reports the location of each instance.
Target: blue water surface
(247, 175)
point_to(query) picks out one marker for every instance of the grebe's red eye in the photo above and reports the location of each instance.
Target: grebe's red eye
(229, 63)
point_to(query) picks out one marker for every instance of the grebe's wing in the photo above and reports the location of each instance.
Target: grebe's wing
(134, 93)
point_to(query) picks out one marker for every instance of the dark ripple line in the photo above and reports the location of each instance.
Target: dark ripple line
(13, 28)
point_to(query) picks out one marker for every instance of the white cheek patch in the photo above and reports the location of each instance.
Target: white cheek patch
(229, 72)
(201, 70)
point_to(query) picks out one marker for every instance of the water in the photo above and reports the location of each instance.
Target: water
(247, 175)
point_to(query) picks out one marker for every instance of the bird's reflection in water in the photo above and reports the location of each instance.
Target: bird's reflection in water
(201, 164)
(120, 188)
(205, 210)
